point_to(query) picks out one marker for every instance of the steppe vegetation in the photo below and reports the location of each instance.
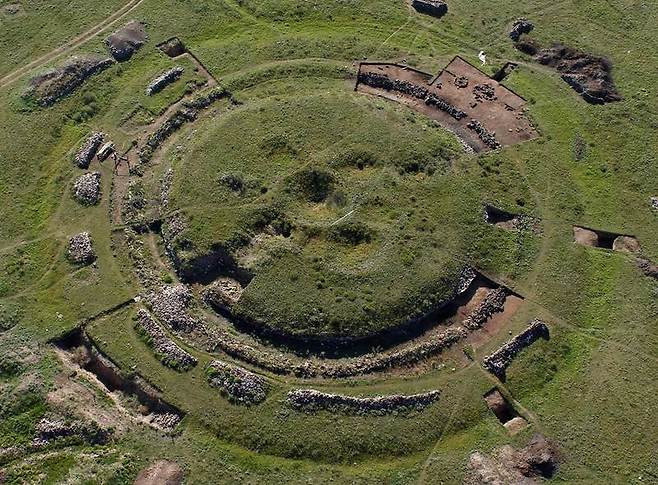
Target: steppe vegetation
(274, 276)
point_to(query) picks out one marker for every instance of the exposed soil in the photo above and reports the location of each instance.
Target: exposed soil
(173, 47)
(500, 406)
(161, 472)
(494, 119)
(538, 460)
(606, 240)
(589, 75)
(124, 42)
(78, 350)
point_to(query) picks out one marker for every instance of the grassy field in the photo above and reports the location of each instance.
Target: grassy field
(300, 132)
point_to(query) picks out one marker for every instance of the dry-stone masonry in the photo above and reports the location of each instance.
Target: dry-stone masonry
(497, 362)
(494, 302)
(87, 188)
(238, 384)
(310, 400)
(169, 352)
(163, 80)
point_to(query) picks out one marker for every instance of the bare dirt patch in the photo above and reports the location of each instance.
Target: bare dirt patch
(531, 464)
(124, 42)
(606, 240)
(589, 75)
(483, 113)
(161, 472)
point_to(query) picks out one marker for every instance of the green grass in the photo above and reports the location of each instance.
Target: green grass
(290, 63)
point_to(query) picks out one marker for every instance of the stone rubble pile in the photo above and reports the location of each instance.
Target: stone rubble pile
(169, 352)
(165, 421)
(163, 80)
(654, 203)
(310, 400)
(48, 88)
(80, 250)
(165, 189)
(88, 149)
(498, 362)
(52, 428)
(238, 384)
(146, 274)
(87, 188)
(223, 293)
(435, 8)
(494, 302)
(485, 135)
(170, 305)
(380, 81)
(521, 26)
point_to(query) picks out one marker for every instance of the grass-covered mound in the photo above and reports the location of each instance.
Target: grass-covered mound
(343, 209)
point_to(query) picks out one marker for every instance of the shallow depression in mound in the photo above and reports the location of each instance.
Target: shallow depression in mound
(339, 215)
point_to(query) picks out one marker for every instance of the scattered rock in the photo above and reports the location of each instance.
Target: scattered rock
(88, 149)
(48, 88)
(310, 400)
(521, 26)
(487, 137)
(87, 188)
(161, 472)
(124, 42)
(648, 268)
(435, 8)
(163, 80)
(654, 203)
(80, 250)
(238, 384)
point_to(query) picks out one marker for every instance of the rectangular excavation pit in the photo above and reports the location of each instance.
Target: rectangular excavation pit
(173, 47)
(483, 113)
(504, 411)
(500, 218)
(82, 352)
(606, 240)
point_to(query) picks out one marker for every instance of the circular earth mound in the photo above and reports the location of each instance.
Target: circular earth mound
(339, 214)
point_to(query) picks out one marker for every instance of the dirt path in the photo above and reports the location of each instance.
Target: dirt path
(72, 44)
(120, 180)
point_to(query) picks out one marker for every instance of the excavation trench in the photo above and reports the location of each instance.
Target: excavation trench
(427, 327)
(85, 353)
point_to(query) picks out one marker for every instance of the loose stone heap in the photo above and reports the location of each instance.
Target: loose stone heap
(435, 8)
(310, 400)
(87, 188)
(238, 384)
(170, 304)
(48, 88)
(485, 135)
(381, 81)
(169, 352)
(654, 203)
(520, 27)
(163, 80)
(223, 293)
(497, 362)
(88, 149)
(494, 302)
(53, 428)
(165, 421)
(80, 250)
